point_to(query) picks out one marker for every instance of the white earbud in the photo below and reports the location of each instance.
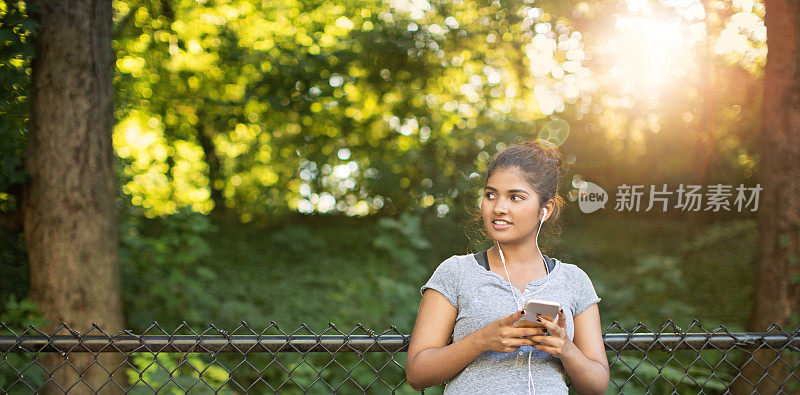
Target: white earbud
(544, 213)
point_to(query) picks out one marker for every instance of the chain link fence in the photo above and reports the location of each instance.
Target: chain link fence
(247, 359)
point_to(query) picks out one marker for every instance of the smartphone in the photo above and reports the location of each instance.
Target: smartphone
(544, 308)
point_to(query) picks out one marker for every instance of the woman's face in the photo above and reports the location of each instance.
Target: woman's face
(510, 207)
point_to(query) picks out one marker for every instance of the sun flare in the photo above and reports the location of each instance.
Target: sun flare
(650, 52)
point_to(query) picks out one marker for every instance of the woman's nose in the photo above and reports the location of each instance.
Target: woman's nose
(501, 207)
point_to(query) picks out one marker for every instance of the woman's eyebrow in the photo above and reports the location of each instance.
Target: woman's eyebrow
(510, 191)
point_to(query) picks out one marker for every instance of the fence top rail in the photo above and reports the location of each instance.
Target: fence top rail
(333, 340)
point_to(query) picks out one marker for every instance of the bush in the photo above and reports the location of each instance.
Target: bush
(164, 265)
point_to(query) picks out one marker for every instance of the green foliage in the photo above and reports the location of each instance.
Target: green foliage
(164, 265)
(290, 264)
(402, 242)
(14, 272)
(651, 270)
(276, 97)
(254, 106)
(651, 292)
(176, 374)
(672, 378)
(719, 264)
(18, 315)
(342, 271)
(171, 272)
(16, 51)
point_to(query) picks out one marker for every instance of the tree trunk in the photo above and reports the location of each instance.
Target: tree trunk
(776, 288)
(205, 136)
(70, 212)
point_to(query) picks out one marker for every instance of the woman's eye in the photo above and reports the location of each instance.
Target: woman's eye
(517, 197)
(489, 195)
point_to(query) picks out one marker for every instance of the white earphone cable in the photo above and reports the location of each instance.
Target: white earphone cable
(531, 386)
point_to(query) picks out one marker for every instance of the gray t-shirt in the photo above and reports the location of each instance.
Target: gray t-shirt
(482, 296)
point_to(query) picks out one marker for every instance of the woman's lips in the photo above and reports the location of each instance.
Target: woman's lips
(500, 224)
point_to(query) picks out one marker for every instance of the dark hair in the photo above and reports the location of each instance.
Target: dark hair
(539, 162)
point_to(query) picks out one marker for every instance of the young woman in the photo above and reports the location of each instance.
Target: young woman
(477, 299)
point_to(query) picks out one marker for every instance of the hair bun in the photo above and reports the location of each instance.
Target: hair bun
(555, 158)
(549, 149)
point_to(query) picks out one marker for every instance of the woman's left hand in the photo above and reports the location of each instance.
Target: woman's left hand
(557, 343)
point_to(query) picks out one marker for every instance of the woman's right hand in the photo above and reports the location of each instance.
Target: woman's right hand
(501, 335)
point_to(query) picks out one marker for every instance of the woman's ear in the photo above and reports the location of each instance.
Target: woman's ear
(549, 207)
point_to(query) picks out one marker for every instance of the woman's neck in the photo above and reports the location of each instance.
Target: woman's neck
(518, 255)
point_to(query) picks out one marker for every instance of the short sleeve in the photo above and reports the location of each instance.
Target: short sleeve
(584, 293)
(445, 280)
